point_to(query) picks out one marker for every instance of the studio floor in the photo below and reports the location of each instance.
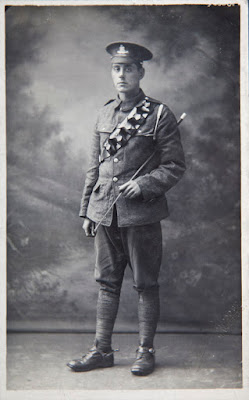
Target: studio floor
(183, 361)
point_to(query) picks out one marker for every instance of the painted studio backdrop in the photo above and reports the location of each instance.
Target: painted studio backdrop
(58, 76)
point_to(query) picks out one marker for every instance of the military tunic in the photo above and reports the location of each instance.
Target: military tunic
(162, 172)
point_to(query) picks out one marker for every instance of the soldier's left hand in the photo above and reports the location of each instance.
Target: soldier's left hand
(130, 189)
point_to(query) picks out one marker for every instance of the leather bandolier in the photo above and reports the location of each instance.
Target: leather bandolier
(126, 129)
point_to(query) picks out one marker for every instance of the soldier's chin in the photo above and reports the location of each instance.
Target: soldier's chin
(122, 85)
(122, 89)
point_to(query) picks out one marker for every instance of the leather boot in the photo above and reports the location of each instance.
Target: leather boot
(92, 360)
(101, 355)
(148, 315)
(145, 361)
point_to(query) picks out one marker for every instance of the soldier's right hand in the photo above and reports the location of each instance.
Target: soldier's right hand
(88, 226)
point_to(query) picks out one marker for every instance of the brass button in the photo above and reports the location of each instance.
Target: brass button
(116, 160)
(115, 179)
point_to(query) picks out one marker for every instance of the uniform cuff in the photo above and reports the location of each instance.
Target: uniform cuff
(145, 192)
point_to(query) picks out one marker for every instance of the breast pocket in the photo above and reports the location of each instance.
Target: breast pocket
(143, 143)
(104, 132)
(147, 129)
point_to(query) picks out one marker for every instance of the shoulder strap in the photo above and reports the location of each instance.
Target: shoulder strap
(159, 112)
(152, 100)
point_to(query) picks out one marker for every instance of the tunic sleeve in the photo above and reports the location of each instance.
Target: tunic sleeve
(171, 159)
(92, 173)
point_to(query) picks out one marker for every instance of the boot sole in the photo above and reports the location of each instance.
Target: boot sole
(75, 369)
(141, 373)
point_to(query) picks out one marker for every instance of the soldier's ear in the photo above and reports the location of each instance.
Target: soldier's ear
(141, 72)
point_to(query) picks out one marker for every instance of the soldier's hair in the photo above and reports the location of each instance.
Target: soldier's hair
(138, 64)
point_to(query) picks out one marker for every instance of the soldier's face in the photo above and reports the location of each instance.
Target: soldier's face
(126, 77)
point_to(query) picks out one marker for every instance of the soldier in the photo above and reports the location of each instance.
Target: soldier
(132, 130)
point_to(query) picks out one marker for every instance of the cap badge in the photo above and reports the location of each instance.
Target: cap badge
(122, 50)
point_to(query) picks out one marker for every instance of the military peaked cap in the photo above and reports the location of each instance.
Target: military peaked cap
(128, 52)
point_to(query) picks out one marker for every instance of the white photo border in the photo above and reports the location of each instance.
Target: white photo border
(195, 394)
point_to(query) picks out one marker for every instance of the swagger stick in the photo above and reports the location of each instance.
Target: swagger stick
(137, 172)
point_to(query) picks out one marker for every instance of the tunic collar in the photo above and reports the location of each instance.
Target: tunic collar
(128, 105)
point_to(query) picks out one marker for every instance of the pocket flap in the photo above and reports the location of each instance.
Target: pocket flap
(147, 129)
(105, 127)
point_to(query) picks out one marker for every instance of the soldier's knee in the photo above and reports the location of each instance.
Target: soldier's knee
(146, 288)
(109, 286)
